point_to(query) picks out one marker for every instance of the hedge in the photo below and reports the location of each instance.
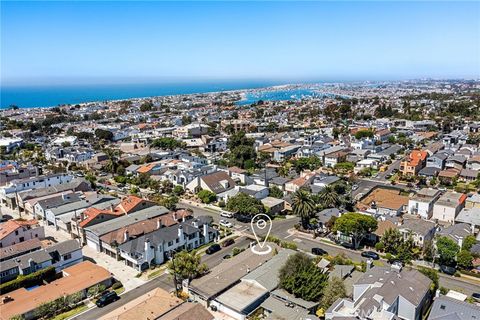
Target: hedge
(33, 279)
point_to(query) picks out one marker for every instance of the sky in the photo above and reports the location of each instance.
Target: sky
(91, 41)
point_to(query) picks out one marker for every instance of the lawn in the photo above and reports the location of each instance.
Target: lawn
(71, 313)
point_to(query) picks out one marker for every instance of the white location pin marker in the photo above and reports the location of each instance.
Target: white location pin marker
(261, 223)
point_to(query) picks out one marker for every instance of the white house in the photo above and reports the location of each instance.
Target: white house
(448, 206)
(422, 202)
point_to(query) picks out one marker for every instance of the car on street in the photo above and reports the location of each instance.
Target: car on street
(107, 298)
(213, 248)
(226, 214)
(228, 242)
(476, 296)
(243, 218)
(448, 270)
(354, 187)
(319, 251)
(225, 223)
(227, 256)
(371, 255)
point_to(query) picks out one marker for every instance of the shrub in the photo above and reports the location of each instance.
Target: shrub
(33, 279)
(236, 251)
(379, 246)
(117, 285)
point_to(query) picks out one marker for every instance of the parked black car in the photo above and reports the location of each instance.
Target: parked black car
(448, 270)
(319, 251)
(243, 218)
(213, 248)
(107, 298)
(371, 255)
(476, 296)
(228, 242)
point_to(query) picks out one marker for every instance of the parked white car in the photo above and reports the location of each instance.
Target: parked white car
(225, 223)
(226, 214)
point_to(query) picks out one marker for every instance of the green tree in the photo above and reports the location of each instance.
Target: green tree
(303, 206)
(468, 242)
(356, 225)
(186, 265)
(112, 159)
(406, 250)
(328, 197)
(103, 134)
(275, 192)
(465, 259)
(447, 250)
(206, 196)
(178, 190)
(242, 152)
(391, 240)
(245, 204)
(334, 290)
(428, 250)
(301, 277)
(344, 167)
(363, 134)
(166, 143)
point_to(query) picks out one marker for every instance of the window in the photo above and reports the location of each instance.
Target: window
(170, 243)
(68, 256)
(16, 232)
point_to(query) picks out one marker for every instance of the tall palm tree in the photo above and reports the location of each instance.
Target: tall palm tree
(328, 197)
(112, 162)
(303, 206)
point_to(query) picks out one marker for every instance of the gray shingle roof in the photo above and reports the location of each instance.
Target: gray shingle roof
(448, 308)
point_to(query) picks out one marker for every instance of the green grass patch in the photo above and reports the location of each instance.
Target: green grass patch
(71, 313)
(119, 290)
(378, 263)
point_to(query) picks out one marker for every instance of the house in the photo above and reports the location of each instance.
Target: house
(16, 231)
(224, 276)
(385, 293)
(415, 161)
(421, 230)
(158, 304)
(19, 249)
(274, 206)
(76, 279)
(449, 308)
(365, 164)
(302, 181)
(60, 256)
(324, 216)
(469, 175)
(473, 163)
(281, 305)
(429, 172)
(9, 144)
(256, 191)
(456, 162)
(157, 246)
(473, 201)
(437, 160)
(434, 148)
(243, 298)
(331, 159)
(217, 182)
(285, 152)
(9, 192)
(382, 201)
(92, 234)
(457, 232)
(448, 206)
(471, 217)
(448, 176)
(422, 202)
(238, 174)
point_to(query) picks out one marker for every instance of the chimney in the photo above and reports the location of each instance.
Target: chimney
(112, 208)
(147, 246)
(195, 223)
(174, 215)
(159, 223)
(64, 196)
(126, 236)
(205, 232)
(180, 232)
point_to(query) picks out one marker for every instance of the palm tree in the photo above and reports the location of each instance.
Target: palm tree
(112, 162)
(328, 197)
(303, 206)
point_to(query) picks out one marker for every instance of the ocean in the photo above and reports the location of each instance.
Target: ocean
(49, 96)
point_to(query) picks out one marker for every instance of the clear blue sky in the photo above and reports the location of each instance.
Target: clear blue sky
(70, 42)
